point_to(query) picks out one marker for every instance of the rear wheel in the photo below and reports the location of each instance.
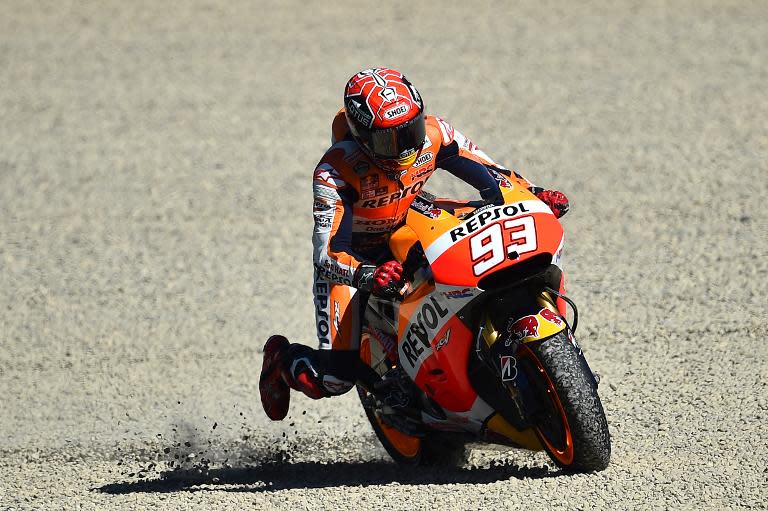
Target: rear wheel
(569, 418)
(404, 449)
(432, 448)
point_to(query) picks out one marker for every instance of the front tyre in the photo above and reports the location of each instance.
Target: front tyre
(569, 418)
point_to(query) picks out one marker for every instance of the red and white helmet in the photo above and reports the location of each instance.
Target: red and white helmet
(385, 114)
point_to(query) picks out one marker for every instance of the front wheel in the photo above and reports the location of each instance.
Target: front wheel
(569, 418)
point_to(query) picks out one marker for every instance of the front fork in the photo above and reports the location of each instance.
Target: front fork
(500, 347)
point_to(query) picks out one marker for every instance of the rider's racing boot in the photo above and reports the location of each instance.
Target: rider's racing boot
(281, 360)
(275, 393)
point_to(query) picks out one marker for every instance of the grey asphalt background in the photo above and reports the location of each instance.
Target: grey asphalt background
(155, 163)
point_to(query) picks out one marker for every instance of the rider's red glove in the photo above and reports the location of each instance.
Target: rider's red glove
(387, 279)
(384, 280)
(557, 201)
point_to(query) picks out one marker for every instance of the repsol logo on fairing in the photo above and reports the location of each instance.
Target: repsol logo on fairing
(416, 339)
(383, 201)
(485, 217)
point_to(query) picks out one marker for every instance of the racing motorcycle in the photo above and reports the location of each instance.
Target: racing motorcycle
(479, 349)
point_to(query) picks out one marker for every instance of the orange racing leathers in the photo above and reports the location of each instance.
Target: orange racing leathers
(356, 207)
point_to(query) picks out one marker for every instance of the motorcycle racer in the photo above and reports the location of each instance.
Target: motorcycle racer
(383, 150)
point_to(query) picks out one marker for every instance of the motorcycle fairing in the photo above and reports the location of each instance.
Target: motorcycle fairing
(434, 344)
(442, 375)
(462, 248)
(494, 239)
(422, 315)
(472, 420)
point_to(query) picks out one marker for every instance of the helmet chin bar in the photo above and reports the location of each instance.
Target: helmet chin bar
(395, 168)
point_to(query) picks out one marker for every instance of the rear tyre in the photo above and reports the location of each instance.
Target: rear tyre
(570, 421)
(404, 449)
(434, 448)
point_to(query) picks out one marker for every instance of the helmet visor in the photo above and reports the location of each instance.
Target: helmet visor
(391, 143)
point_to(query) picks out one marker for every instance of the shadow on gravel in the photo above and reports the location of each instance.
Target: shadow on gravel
(273, 477)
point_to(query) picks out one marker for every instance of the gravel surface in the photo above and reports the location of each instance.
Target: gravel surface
(155, 224)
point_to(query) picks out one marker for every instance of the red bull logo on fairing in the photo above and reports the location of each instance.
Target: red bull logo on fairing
(551, 317)
(527, 326)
